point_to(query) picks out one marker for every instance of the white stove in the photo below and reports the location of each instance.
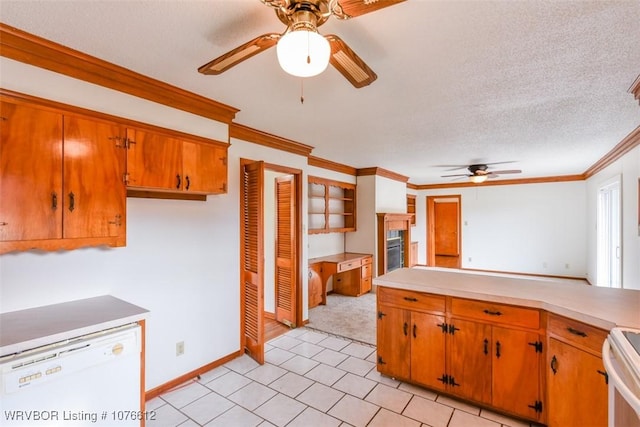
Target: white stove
(621, 358)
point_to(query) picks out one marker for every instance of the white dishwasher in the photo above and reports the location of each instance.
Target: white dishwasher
(86, 381)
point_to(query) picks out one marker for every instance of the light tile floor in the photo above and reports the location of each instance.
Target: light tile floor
(312, 379)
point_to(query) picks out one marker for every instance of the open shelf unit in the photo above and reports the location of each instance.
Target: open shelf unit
(332, 206)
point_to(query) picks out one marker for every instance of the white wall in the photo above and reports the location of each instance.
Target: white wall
(628, 168)
(527, 228)
(181, 261)
(376, 194)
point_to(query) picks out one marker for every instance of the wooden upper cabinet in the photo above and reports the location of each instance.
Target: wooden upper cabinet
(154, 161)
(159, 162)
(93, 186)
(204, 168)
(30, 173)
(61, 181)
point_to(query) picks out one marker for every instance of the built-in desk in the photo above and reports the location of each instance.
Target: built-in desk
(351, 275)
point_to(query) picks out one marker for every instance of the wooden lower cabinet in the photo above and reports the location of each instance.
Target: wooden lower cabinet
(497, 366)
(486, 362)
(412, 346)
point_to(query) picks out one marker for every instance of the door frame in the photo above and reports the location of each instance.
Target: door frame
(297, 178)
(430, 229)
(297, 173)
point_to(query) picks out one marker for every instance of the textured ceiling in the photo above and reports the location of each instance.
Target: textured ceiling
(541, 84)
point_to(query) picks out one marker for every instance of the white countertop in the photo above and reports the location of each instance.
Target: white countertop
(601, 307)
(34, 327)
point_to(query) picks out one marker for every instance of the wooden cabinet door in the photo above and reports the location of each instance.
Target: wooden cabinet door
(204, 168)
(154, 161)
(393, 342)
(515, 371)
(30, 173)
(470, 360)
(427, 349)
(576, 387)
(94, 191)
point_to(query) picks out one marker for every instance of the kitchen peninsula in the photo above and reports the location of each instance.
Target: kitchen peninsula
(528, 347)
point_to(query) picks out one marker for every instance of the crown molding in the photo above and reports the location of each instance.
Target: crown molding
(33, 50)
(382, 172)
(561, 178)
(246, 133)
(412, 186)
(333, 166)
(627, 144)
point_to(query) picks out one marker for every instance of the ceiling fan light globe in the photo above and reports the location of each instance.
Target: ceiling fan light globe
(303, 53)
(477, 179)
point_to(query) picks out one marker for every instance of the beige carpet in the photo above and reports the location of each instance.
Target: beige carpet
(350, 317)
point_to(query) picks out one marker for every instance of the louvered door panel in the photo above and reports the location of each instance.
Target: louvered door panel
(252, 264)
(285, 250)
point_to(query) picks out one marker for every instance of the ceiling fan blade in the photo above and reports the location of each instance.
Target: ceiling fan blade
(239, 54)
(353, 8)
(349, 64)
(505, 171)
(458, 174)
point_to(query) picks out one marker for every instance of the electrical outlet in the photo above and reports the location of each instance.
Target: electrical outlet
(180, 348)
(566, 266)
(469, 259)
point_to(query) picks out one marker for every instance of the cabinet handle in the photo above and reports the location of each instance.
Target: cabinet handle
(54, 200)
(72, 202)
(498, 349)
(415, 329)
(188, 181)
(178, 181)
(576, 332)
(405, 328)
(486, 346)
(554, 365)
(492, 313)
(310, 274)
(606, 376)
(411, 299)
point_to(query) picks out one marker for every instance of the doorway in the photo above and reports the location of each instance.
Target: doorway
(270, 212)
(608, 267)
(443, 231)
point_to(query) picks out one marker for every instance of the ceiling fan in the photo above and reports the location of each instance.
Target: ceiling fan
(301, 50)
(480, 172)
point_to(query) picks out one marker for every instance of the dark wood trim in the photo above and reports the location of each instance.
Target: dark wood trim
(33, 50)
(248, 134)
(146, 194)
(163, 388)
(24, 99)
(382, 172)
(563, 178)
(143, 352)
(630, 142)
(412, 186)
(333, 166)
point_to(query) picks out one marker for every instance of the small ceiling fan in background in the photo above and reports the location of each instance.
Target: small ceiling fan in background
(301, 50)
(480, 172)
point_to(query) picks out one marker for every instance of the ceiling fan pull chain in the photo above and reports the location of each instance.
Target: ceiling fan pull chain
(301, 91)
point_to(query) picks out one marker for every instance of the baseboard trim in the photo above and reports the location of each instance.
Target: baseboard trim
(163, 388)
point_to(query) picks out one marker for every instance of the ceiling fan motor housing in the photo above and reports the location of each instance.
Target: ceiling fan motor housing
(478, 169)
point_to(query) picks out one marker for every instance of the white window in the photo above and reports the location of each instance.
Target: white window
(609, 235)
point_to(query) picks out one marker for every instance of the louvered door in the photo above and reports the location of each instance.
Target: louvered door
(252, 258)
(285, 269)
